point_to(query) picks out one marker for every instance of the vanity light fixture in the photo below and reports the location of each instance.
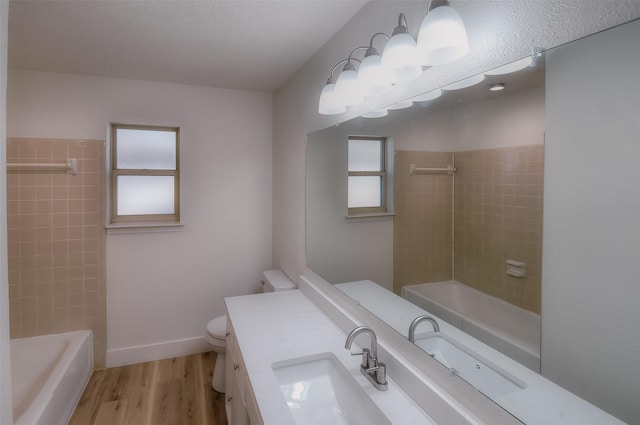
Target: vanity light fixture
(443, 37)
(496, 87)
(444, 40)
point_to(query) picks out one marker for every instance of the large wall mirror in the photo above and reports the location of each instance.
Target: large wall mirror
(466, 205)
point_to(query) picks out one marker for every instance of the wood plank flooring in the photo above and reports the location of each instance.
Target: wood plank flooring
(165, 392)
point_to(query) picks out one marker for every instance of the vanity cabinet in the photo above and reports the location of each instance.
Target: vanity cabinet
(240, 402)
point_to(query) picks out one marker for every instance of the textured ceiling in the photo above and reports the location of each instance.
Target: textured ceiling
(259, 44)
(238, 44)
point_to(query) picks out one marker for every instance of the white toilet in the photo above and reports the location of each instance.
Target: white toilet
(274, 280)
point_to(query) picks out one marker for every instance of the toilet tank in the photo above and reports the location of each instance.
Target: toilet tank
(275, 280)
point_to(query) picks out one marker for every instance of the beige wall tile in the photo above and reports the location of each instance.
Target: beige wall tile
(53, 218)
(497, 215)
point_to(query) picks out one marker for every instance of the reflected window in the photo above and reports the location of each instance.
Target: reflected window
(144, 174)
(367, 175)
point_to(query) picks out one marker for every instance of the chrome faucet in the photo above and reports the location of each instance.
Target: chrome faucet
(375, 371)
(416, 321)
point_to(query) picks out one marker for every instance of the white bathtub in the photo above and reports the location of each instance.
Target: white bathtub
(49, 374)
(505, 327)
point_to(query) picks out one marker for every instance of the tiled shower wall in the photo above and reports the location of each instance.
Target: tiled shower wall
(57, 240)
(496, 216)
(422, 230)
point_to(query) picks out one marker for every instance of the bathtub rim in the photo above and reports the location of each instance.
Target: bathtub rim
(45, 395)
(531, 348)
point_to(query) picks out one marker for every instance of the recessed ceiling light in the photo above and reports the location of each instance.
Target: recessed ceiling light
(496, 87)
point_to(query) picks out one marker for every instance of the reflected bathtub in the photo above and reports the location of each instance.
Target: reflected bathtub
(507, 328)
(49, 374)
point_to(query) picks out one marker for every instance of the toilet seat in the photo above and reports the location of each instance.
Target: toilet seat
(217, 328)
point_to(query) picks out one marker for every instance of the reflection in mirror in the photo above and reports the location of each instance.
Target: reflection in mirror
(468, 222)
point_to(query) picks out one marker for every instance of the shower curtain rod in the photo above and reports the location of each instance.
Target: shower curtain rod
(414, 169)
(71, 166)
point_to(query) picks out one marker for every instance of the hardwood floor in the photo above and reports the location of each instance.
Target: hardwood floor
(166, 392)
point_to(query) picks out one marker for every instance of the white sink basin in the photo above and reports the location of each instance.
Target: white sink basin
(484, 376)
(319, 390)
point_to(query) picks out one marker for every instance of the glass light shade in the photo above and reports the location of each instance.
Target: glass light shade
(511, 67)
(399, 55)
(433, 94)
(467, 82)
(442, 38)
(330, 103)
(348, 89)
(373, 78)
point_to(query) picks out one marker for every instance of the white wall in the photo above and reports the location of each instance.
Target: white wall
(163, 288)
(340, 249)
(6, 408)
(590, 284)
(513, 119)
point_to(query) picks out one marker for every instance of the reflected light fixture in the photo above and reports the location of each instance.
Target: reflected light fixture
(376, 114)
(401, 105)
(443, 37)
(467, 82)
(511, 67)
(433, 94)
(496, 87)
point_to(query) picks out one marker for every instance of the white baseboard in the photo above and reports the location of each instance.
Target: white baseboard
(162, 350)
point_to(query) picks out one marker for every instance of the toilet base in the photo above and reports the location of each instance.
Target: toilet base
(218, 381)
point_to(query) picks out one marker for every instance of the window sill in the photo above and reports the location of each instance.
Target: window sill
(124, 228)
(370, 216)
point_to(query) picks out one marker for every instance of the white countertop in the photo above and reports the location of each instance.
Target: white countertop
(541, 402)
(278, 326)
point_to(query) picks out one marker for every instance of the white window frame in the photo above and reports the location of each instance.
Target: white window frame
(115, 172)
(382, 174)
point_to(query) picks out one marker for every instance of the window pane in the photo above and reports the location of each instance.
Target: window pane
(145, 149)
(365, 191)
(365, 155)
(139, 195)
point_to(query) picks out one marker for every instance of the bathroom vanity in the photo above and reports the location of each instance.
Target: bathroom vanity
(286, 364)
(286, 354)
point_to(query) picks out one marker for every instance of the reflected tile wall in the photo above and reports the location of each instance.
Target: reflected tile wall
(466, 227)
(423, 224)
(498, 216)
(56, 240)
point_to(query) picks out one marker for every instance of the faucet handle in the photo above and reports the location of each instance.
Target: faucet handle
(366, 357)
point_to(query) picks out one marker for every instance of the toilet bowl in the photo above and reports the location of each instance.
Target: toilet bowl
(274, 280)
(216, 336)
